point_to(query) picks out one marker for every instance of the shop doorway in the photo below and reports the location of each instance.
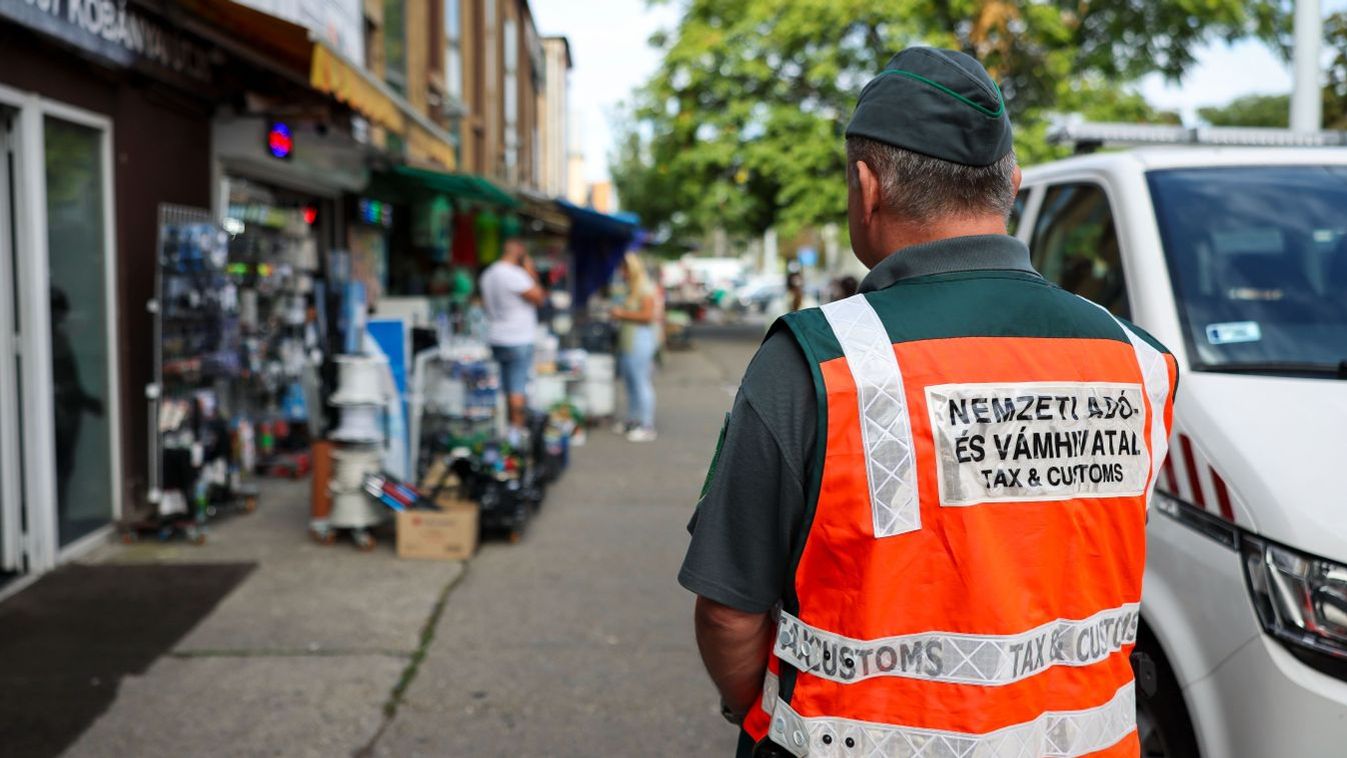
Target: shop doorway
(58, 422)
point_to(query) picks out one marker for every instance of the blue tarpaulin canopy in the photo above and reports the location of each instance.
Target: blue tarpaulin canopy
(597, 242)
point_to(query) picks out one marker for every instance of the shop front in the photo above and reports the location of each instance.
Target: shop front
(112, 115)
(95, 131)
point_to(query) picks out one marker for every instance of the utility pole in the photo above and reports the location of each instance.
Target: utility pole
(1306, 97)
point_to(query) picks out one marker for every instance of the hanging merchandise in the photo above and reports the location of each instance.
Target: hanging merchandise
(194, 466)
(274, 260)
(355, 310)
(294, 404)
(432, 227)
(488, 237)
(465, 252)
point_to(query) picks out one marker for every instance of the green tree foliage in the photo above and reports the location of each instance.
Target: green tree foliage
(741, 126)
(1274, 110)
(1250, 110)
(1335, 86)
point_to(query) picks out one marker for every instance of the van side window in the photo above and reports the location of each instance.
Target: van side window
(1016, 213)
(1076, 247)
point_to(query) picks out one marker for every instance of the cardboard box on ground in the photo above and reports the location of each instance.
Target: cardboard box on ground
(449, 534)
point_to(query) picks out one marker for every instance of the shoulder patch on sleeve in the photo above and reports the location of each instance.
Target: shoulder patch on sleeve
(715, 458)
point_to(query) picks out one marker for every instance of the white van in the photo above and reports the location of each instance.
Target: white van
(1236, 259)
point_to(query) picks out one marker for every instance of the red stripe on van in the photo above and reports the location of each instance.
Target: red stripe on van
(1167, 480)
(1190, 465)
(1222, 496)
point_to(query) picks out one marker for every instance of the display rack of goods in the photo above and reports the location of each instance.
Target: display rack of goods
(273, 266)
(194, 471)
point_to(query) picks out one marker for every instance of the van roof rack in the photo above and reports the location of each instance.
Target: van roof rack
(1088, 137)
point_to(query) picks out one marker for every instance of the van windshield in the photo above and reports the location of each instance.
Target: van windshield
(1258, 259)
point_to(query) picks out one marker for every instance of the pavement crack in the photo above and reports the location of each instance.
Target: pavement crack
(395, 698)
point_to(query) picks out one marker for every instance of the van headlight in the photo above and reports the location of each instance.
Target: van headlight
(1301, 600)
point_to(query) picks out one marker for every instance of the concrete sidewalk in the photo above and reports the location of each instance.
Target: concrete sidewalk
(578, 641)
(300, 660)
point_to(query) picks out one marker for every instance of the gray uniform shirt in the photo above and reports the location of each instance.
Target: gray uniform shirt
(749, 518)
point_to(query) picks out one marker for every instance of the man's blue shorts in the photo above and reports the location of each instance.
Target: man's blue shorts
(515, 363)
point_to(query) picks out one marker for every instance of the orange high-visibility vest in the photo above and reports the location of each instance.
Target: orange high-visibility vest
(969, 577)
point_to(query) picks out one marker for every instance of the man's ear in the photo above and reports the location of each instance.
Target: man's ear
(1015, 180)
(870, 195)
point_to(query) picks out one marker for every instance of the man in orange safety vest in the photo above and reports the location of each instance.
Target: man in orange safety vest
(923, 532)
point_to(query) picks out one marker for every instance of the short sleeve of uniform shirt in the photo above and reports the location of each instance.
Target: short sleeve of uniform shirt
(746, 524)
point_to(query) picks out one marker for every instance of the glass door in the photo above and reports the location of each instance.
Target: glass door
(77, 250)
(12, 559)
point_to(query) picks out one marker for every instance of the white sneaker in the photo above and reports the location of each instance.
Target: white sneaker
(622, 427)
(641, 434)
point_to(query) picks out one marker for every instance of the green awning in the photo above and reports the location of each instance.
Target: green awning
(465, 186)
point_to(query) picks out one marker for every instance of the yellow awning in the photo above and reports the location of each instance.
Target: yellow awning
(331, 74)
(349, 84)
(420, 140)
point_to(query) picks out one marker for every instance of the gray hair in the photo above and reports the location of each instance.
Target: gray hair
(921, 189)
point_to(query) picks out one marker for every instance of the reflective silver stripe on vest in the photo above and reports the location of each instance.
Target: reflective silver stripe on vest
(1060, 734)
(890, 461)
(1155, 375)
(959, 658)
(771, 691)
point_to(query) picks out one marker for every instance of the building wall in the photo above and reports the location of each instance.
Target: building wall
(471, 127)
(554, 124)
(538, 82)
(601, 197)
(577, 188)
(418, 34)
(532, 80)
(482, 131)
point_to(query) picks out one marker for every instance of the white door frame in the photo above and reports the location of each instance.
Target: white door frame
(11, 472)
(34, 342)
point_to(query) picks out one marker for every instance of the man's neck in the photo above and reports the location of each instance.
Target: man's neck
(909, 235)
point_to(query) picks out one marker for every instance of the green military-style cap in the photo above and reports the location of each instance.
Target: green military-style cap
(940, 103)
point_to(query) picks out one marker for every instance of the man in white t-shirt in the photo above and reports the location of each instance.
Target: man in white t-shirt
(511, 294)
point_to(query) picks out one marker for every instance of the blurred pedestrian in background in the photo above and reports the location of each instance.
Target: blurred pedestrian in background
(842, 287)
(637, 341)
(511, 295)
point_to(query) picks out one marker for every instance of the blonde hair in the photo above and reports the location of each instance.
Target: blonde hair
(638, 279)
